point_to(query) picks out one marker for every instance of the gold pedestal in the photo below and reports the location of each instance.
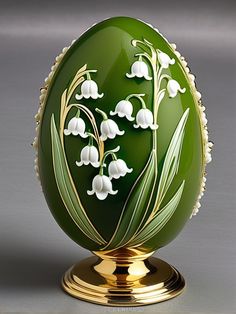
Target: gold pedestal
(125, 277)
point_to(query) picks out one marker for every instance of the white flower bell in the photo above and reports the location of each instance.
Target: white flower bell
(89, 89)
(165, 60)
(118, 168)
(139, 69)
(173, 88)
(101, 186)
(124, 108)
(108, 127)
(144, 119)
(76, 126)
(89, 155)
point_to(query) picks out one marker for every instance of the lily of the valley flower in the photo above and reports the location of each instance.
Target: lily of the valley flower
(89, 88)
(139, 69)
(173, 88)
(108, 127)
(164, 60)
(144, 119)
(89, 155)
(101, 186)
(118, 168)
(124, 108)
(76, 126)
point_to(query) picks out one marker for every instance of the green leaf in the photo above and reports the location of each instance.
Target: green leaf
(135, 207)
(67, 189)
(171, 163)
(159, 220)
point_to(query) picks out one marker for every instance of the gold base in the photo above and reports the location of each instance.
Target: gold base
(123, 278)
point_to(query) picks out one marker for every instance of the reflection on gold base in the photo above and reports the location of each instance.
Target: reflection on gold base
(125, 277)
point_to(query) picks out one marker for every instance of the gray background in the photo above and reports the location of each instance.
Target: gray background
(34, 252)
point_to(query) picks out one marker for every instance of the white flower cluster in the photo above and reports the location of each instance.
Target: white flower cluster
(173, 86)
(89, 155)
(144, 117)
(102, 185)
(139, 69)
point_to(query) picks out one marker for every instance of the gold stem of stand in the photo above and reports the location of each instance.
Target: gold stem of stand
(124, 277)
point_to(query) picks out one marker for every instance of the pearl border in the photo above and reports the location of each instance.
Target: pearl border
(42, 101)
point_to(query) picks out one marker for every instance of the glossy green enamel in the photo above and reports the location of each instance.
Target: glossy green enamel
(107, 48)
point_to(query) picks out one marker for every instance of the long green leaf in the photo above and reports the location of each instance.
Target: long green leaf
(159, 220)
(67, 191)
(169, 170)
(171, 162)
(136, 204)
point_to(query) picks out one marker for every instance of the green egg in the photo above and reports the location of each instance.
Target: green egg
(121, 139)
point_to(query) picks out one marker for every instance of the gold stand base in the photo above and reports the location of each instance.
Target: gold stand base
(121, 279)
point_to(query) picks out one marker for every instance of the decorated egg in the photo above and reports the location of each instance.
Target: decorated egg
(122, 140)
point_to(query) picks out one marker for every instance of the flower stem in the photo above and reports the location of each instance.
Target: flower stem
(110, 152)
(88, 76)
(164, 76)
(154, 65)
(138, 96)
(159, 79)
(101, 170)
(77, 114)
(114, 157)
(88, 73)
(91, 137)
(146, 44)
(102, 113)
(143, 54)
